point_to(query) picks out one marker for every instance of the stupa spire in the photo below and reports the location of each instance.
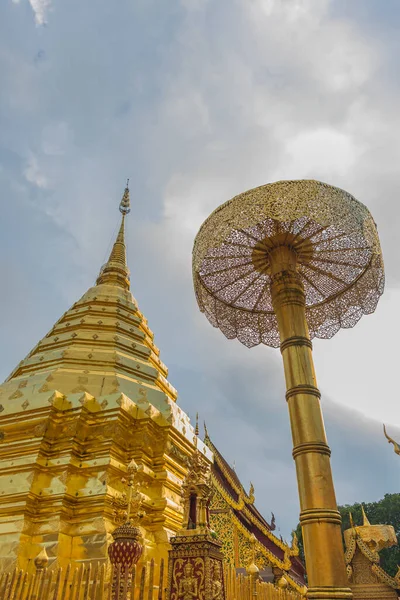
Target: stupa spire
(115, 271)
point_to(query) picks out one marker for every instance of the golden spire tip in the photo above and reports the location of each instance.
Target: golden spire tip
(196, 431)
(125, 204)
(365, 518)
(115, 271)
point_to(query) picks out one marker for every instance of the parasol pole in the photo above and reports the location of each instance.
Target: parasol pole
(319, 517)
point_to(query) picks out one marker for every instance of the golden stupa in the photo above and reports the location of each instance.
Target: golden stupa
(90, 432)
(91, 396)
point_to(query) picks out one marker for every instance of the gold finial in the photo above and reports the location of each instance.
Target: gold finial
(125, 204)
(252, 568)
(282, 583)
(351, 520)
(365, 518)
(251, 491)
(396, 446)
(196, 431)
(295, 544)
(115, 271)
(206, 436)
(41, 560)
(132, 469)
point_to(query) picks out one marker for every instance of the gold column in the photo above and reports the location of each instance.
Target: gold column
(319, 516)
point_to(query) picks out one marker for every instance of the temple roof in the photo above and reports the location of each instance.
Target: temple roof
(250, 519)
(103, 346)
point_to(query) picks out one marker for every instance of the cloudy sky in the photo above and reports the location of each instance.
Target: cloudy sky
(196, 101)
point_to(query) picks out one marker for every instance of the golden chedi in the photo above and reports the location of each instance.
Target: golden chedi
(91, 396)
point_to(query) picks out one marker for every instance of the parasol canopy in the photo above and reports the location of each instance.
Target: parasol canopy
(338, 256)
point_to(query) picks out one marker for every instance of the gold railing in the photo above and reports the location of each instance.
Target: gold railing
(87, 582)
(244, 587)
(93, 582)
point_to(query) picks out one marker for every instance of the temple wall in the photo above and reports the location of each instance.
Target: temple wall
(62, 460)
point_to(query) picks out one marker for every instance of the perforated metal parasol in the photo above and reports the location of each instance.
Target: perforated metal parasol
(338, 257)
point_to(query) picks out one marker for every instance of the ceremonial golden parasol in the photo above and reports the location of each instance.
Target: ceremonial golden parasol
(279, 265)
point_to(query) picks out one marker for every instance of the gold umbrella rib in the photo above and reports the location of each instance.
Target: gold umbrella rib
(246, 288)
(340, 292)
(307, 238)
(337, 237)
(334, 262)
(334, 250)
(326, 274)
(259, 298)
(227, 257)
(238, 245)
(231, 268)
(312, 284)
(227, 304)
(248, 234)
(231, 282)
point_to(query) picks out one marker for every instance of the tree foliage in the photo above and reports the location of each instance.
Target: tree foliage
(383, 512)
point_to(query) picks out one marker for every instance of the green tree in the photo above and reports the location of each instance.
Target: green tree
(383, 512)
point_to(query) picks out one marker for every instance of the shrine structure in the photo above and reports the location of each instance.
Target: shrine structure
(235, 519)
(91, 399)
(368, 580)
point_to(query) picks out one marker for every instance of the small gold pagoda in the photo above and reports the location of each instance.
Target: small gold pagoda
(368, 580)
(91, 396)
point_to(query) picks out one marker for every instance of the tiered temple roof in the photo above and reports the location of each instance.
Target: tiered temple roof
(235, 518)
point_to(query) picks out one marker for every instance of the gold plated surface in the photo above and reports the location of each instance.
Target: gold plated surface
(337, 250)
(195, 568)
(91, 396)
(278, 265)
(237, 539)
(367, 578)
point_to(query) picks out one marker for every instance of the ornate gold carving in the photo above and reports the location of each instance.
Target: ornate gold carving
(128, 506)
(40, 429)
(176, 453)
(363, 544)
(333, 236)
(396, 446)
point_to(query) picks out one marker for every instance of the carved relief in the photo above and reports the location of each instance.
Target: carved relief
(39, 429)
(217, 581)
(180, 456)
(362, 570)
(188, 579)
